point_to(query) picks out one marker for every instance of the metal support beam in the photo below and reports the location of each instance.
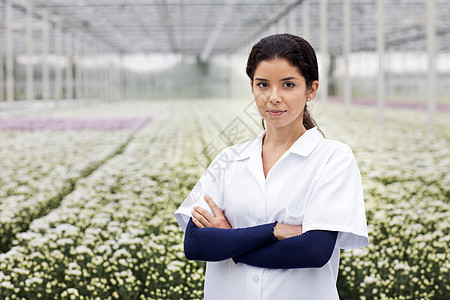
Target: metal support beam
(347, 49)
(107, 77)
(324, 55)
(9, 52)
(112, 79)
(45, 66)
(29, 35)
(101, 79)
(78, 72)
(101, 76)
(111, 89)
(58, 67)
(85, 77)
(432, 71)
(2, 85)
(69, 67)
(142, 19)
(217, 30)
(164, 16)
(120, 84)
(105, 74)
(267, 23)
(116, 82)
(381, 57)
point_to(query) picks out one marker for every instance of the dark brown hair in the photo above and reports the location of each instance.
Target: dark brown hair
(297, 51)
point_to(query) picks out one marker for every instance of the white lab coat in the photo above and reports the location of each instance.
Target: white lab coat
(316, 184)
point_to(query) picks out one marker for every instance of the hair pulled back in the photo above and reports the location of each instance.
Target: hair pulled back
(297, 51)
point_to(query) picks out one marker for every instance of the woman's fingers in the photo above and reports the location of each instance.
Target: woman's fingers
(203, 212)
(216, 210)
(202, 216)
(197, 222)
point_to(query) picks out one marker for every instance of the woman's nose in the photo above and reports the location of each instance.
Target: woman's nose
(274, 96)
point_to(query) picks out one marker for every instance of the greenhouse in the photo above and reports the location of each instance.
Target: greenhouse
(111, 111)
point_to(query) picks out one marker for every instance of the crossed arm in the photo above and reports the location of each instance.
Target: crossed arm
(273, 245)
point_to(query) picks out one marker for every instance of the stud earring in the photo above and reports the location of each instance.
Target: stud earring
(309, 99)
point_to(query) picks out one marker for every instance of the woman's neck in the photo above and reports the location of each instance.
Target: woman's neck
(283, 137)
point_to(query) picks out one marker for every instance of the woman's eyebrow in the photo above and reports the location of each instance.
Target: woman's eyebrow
(283, 79)
(289, 78)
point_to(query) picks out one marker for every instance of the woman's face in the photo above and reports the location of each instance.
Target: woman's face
(280, 92)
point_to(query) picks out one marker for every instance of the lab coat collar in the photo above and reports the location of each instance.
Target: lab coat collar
(306, 143)
(303, 146)
(252, 147)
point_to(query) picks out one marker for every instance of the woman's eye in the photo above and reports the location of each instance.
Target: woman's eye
(289, 84)
(262, 85)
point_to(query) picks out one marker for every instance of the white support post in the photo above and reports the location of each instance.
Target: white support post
(2, 86)
(102, 76)
(58, 67)
(347, 49)
(305, 20)
(324, 56)
(97, 76)
(381, 56)
(29, 35)
(83, 90)
(45, 66)
(78, 72)
(112, 79)
(106, 76)
(9, 52)
(432, 70)
(69, 66)
(86, 79)
(120, 83)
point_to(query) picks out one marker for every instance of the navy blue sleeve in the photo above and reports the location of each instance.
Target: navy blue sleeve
(312, 249)
(215, 244)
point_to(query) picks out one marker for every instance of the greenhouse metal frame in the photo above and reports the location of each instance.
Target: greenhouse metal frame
(61, 33)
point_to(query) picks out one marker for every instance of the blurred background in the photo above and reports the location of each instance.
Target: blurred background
(383, 53)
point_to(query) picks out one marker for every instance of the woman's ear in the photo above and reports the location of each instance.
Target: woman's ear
(313, 89)
(251, 83)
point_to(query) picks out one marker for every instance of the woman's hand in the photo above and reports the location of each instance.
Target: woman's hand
(202, 218)
(283, 231)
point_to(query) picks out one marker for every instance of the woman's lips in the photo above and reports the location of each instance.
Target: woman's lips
(275, 112)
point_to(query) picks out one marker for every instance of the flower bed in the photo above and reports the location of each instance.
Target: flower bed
(406, 183)
(114, 236)
(40, 167)
(71, 124)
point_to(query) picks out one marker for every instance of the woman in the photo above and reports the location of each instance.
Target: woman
(269, 216)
